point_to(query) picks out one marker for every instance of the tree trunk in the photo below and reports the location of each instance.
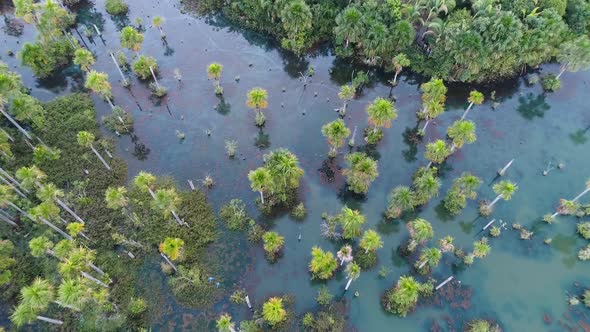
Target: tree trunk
(89, 277)
(151, 193)
(7, 135)
(261, 197)
(466, 111)
(168, 261)
(494, 201)
(425, 126)
(119, 68)
(109, 101)
(429, 164)
(13, 187)
(55, 228)
(580, 195)
(154, 76)
(13, 180)
(561, 71)
(95, 268)
(348, 284)
(72, 213)
(395, 78)
(503, 170)
(50, 320)
(100, 157)
(8, 221)
(444, 282)
(177, 218)
(21, 211)
(24, 132)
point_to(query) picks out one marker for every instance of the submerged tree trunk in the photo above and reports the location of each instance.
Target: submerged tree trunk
(24, 132)
(100, 157)
(348, 284)
(466, 111)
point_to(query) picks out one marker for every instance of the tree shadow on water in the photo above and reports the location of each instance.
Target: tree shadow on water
(531, 106)
(223, 108)
(262, 140)
(411, 139)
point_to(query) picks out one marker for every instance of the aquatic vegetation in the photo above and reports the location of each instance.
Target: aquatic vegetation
(583, 229)
(550, 83)
(361, 172)
(370, 241)
(214, 72)
(137, 306)
(273, 243)
(116, 7)
(299, 211)
(231, 146)
(144, 66)
(224, 323)
(324, 297)
(584, 253)
(463, 188)
(351, 221)
(426, 185)
(322, 264)
(420, 231)
(234, 214)
(480, 325)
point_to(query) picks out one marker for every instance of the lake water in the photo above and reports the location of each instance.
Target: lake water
(522, 284)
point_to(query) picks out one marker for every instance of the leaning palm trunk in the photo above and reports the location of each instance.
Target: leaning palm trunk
(72, 213)
(7, 134)
(466, 111)
(168, 261)
(55, 228)
(119, 69)
(50, 320)
(429, 164)
(261, 197)
(21, 129)
(13, 180)
(12, 187)
(100, 157)
(95, 268)
(494, 201)
(8, 221)
(503, 170)
(154, 76)
(177, 218)
(91, 278)
(348, 284)
(426, 125)
(573, 200)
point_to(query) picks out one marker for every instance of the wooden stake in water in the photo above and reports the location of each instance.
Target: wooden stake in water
(444, 282)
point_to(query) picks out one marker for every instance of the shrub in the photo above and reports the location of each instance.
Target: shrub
(365, 260)
(298, 211)
(119, 121)
(141, 67)
(481, 325)
(550, 83)
(116, 7)
(584, 229)
(137, 306)
(46, 59)
(324, 297)
(234, 214)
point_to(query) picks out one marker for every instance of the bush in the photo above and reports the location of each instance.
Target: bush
(119, 121)
(137, 306)
(298, 211)
(365, 260)
(550, 83)
(584, 229)
(116, 7)
(324, 296)
(141, 67)
(46, 59)
(481, 325)
(234, 214)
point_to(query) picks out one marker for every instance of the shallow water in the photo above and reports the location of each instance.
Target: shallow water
(517, 284)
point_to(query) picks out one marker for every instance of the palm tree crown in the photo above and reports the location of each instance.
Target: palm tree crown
(381, 112)
(172, 247)
(371, 241)
(115, 197)
(257, 98)
(273, 311)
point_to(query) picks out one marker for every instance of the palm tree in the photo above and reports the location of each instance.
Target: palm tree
(361, 173)
(430, 256)
(350, 25)
(257, 99)
(420, 231)
(504, 189)
(273, 243)
(574, 55)
(346, 94)
(353, 271)
(158, 21)
(38, 295)
(475, 98)
(40, 246)
(336, 132)
(27, 108)
(401, 199)
(115, 198)
(23, 314)
(85, 139)
(461, 132)
(345, 254)
(559, 210)
(296, 17)
(145, 181)
(131, 39)
(166, 201)
(433, 99)
(446, 244)
(284, 169)
(72, 293)
(260, 180)
(30, 177)
(426, 185)
(172, 247)
(99, 84)
(381, 112)
(84, 59)
(214, 72)
(273, 311)
(47, 211)
(371, 241)
(6, 198)
(436, 152)
(399, 62)
(352, 222)
(404, 296)
(49, 192)
(323, 264)
(224, 323)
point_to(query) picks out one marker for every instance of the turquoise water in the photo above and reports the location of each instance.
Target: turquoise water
(517, 284)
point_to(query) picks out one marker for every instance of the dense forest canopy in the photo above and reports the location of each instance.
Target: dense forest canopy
(456, 40)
